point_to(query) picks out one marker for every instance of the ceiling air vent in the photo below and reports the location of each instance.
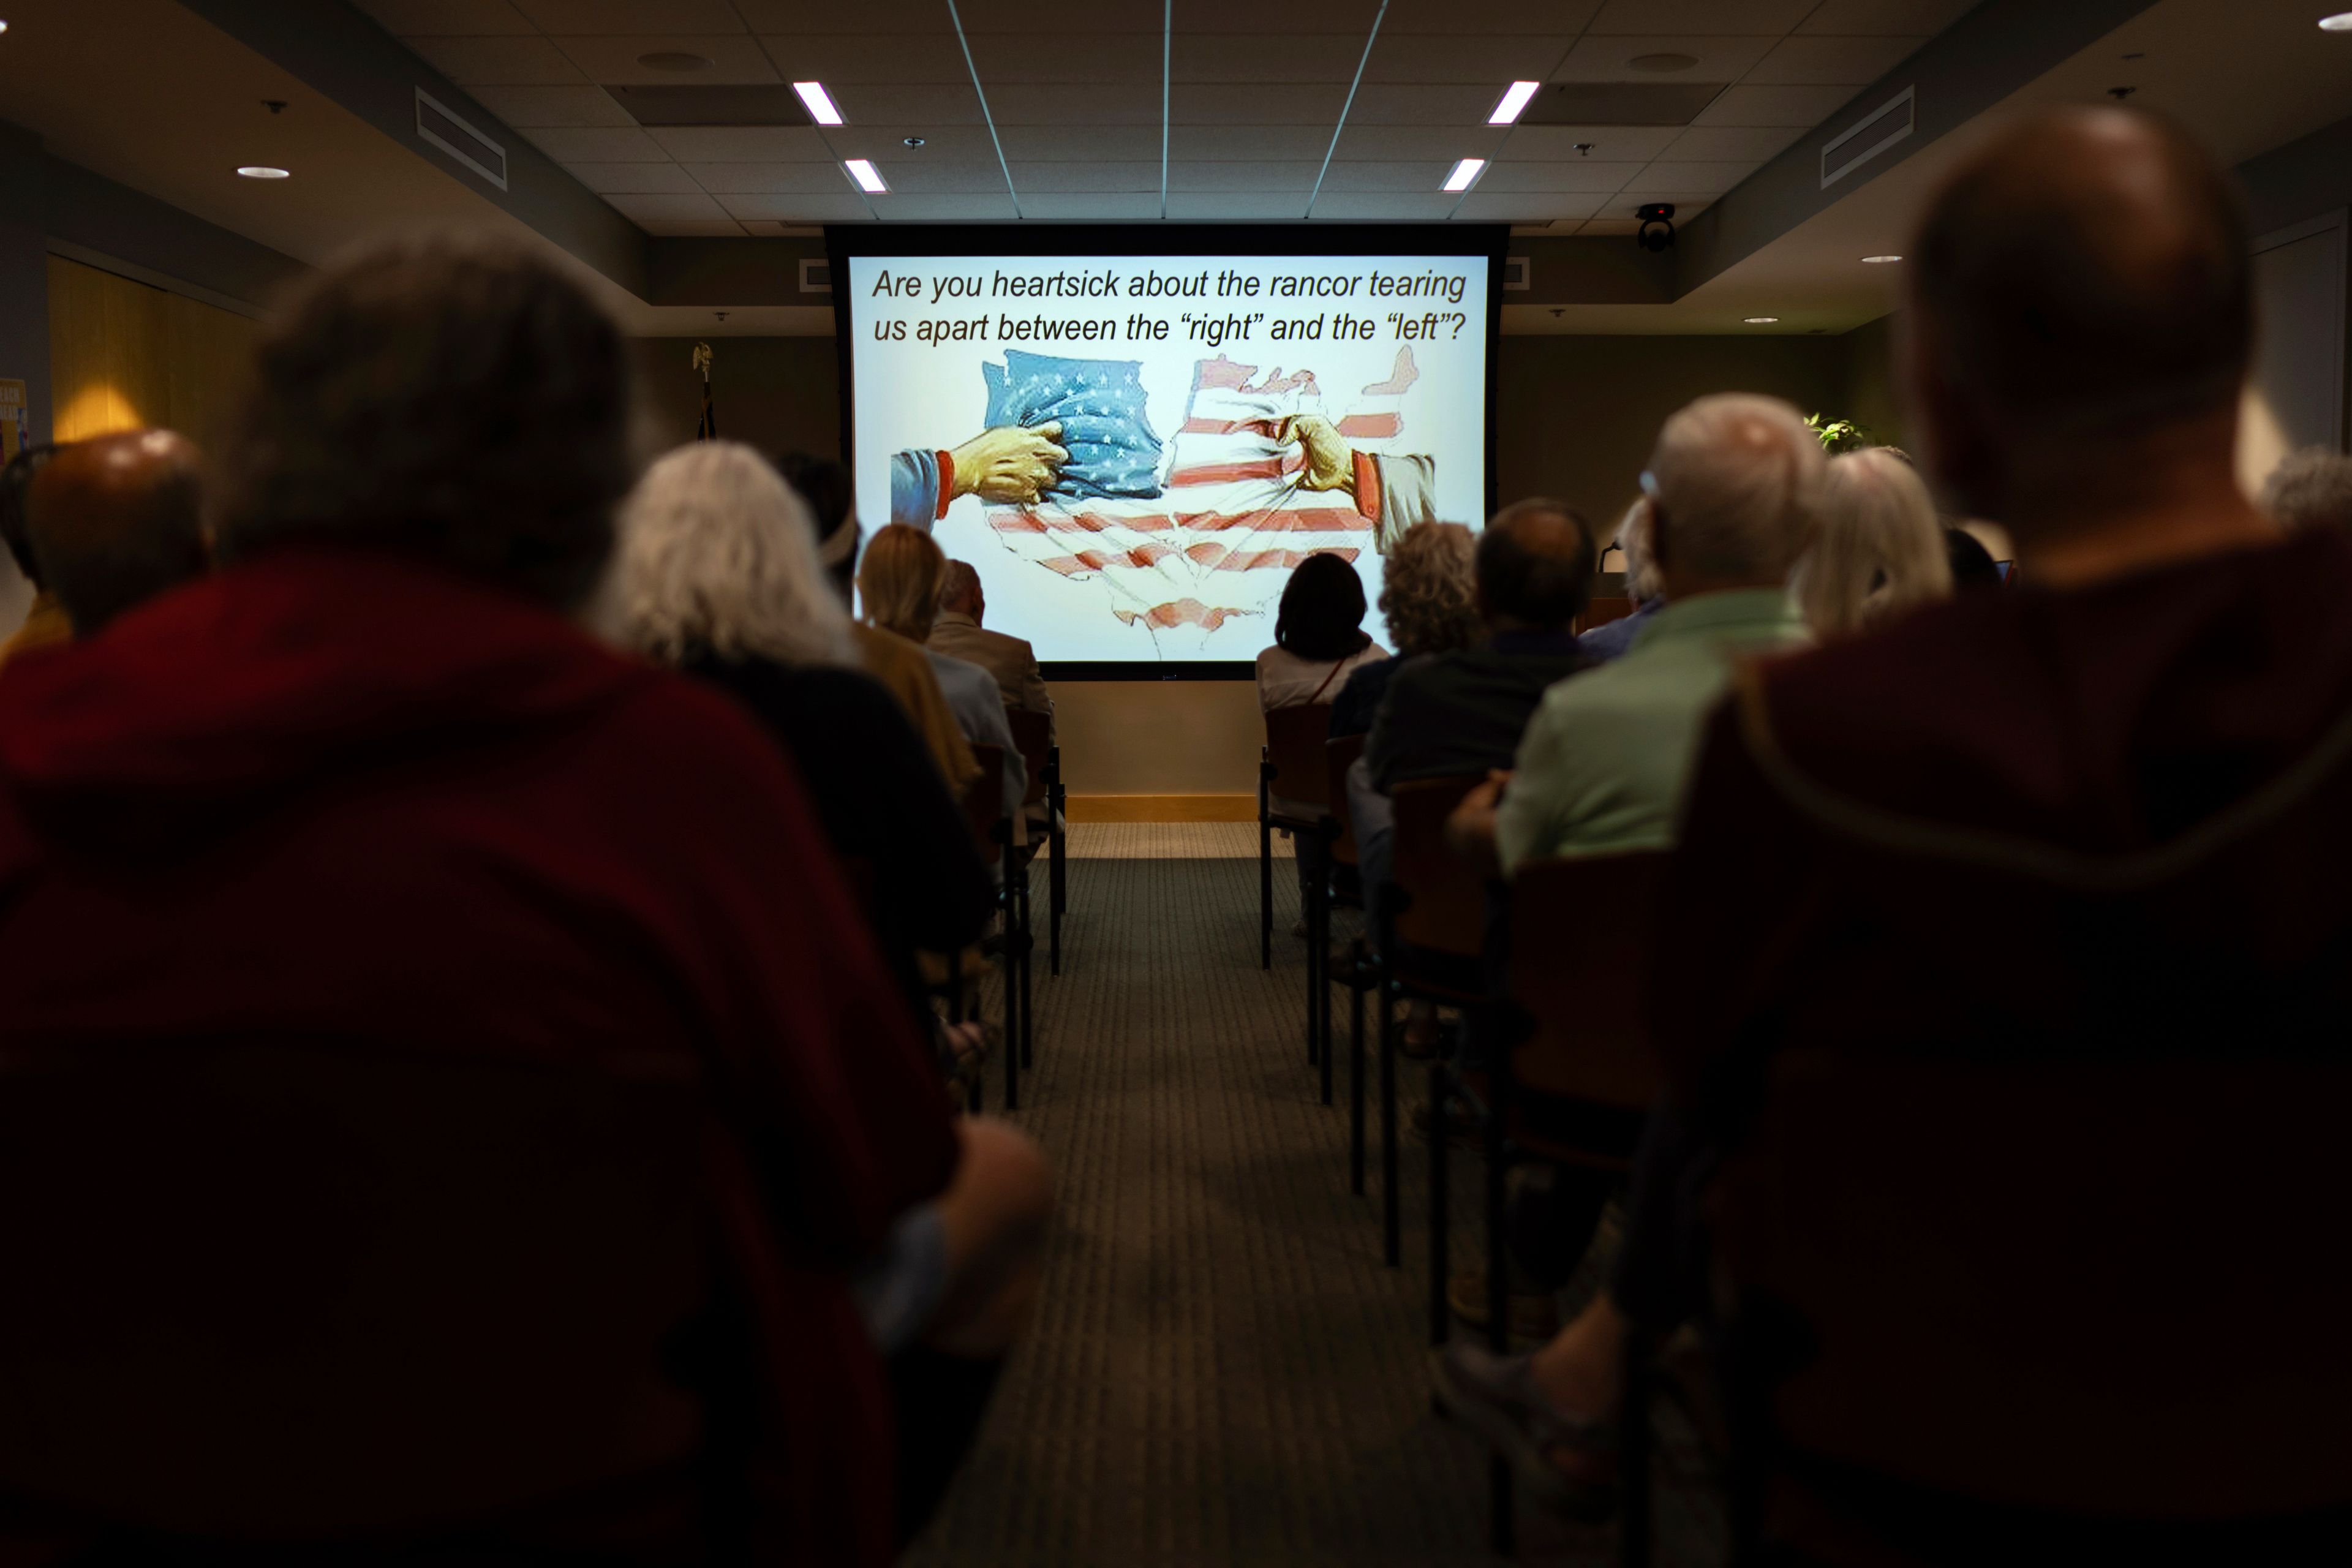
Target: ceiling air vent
(436, 124)
(1620, 102)
(817, 276)
(1514, 272)
(1868, 137)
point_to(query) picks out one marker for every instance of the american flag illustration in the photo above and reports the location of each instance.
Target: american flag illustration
(1231, 517)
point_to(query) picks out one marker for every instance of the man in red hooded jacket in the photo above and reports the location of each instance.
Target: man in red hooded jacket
(356, 871)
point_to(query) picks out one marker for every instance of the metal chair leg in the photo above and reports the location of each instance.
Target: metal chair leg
(1028, 1005)
(1392, 1212)
(1503, 1524)
(1012, 1016)
(1323, 991)
(1264, 884)
(1356, 1068)
(1057, 887)
(1441, 1314)
(1310, 904)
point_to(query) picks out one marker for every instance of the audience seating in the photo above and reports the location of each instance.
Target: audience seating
(381, 1290)
(1338, 756)
(1431, 920)
(992, 830)
(1601, 611)
(2038, 1310)
(1293, 792)
(1034, 734)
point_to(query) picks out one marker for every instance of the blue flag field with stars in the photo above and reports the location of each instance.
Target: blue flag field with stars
(1100, 404)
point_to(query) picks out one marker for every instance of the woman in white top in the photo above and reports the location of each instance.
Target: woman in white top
(1319, 635)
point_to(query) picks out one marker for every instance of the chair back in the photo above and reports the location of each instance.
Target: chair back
(1444, 906)
(280, 1290)
(1338, 756)
(2095, 1285)
(1582, 931)
(983, 801)
(1295, 737)
(1033, 736)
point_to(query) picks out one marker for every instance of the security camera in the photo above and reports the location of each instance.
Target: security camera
(1657, 230)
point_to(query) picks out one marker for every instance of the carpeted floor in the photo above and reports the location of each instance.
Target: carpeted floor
(1221, 1371)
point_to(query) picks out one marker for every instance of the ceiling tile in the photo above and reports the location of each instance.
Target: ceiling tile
(920, 104)
(1052, 143)
(1088, 176)
(469, 61)
(943, 178)
(736, 59)
(833, 16)
(560, 16)
(1720, 59)
(1711, 179)
(1610, 226)
(1494, 58)
(765, 179)
(1767, 17)
(1802, 107)
(1294, 103)
(1021, 17)
(1216, 142)
(1393, 176)
(408, 18)
(1101, 206)
(597, 144)
(1730, 144)
(1071, 104)
(1421, 104)
(946, 209)
(1373, 207)
(1448, 16)
(742, 143)
(1269, 174)
(1525, 206)
(1365, 143)
(1896, 19)
(525, 107)
(1582, 175)
(694, 205)
(1847, 62)
(1610, 143)
(941, 144)
(768, 228)
(838, 57)
(1125, 58)
(1243, 206)
(690, 227)
(1248, 57)
(635, 179)
(847, 205)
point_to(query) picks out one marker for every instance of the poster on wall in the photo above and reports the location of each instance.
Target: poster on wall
(15, 419)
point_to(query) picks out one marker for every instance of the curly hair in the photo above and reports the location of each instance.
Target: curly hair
(1428, 593)
(450, 397)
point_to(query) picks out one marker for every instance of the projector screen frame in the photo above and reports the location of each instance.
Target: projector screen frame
(843, 241)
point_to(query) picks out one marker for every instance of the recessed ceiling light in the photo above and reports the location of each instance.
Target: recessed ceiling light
(868, 176)
(1463, 172)
(674, 60)
(2340, 23)
(819, 101)
(1879, 260)
(1515, 98)
(1759, 321)
(4, 27)
(914, 141)
(264, 171)
(1662, 62)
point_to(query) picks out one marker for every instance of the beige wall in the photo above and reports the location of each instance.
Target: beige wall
(123, 356)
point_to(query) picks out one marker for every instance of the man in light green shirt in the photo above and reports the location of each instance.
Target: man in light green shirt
(1732, 490)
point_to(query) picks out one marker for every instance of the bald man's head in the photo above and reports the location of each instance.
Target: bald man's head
(2083, 278)
(115, 521)
(1535, 565)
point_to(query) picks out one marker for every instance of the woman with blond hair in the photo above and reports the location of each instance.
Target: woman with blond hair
(899, 581)
(1878, 552)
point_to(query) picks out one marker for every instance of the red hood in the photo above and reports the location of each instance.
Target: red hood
(234, 689)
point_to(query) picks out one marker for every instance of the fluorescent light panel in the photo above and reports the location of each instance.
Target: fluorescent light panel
(819, 101)
(263, 171)
(1463, 174)
(1759, 321)
(2340, 23)
(869, 177)
(1880, 260)
(1515, 98)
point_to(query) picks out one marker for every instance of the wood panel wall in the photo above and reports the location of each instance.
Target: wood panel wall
(126, 356)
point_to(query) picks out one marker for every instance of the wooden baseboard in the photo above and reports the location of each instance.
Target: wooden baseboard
(1163, 808)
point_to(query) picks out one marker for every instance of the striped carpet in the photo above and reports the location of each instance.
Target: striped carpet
(1221, 1371)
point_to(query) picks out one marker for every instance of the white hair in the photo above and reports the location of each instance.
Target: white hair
(1880, 551)
(716, 551)
(1642, 582)
(1738, 480)
(2310, 487)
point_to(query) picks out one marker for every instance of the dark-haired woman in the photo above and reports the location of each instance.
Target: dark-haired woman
(1319, 635)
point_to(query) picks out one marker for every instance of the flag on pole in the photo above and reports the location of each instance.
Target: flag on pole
(708, 430)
